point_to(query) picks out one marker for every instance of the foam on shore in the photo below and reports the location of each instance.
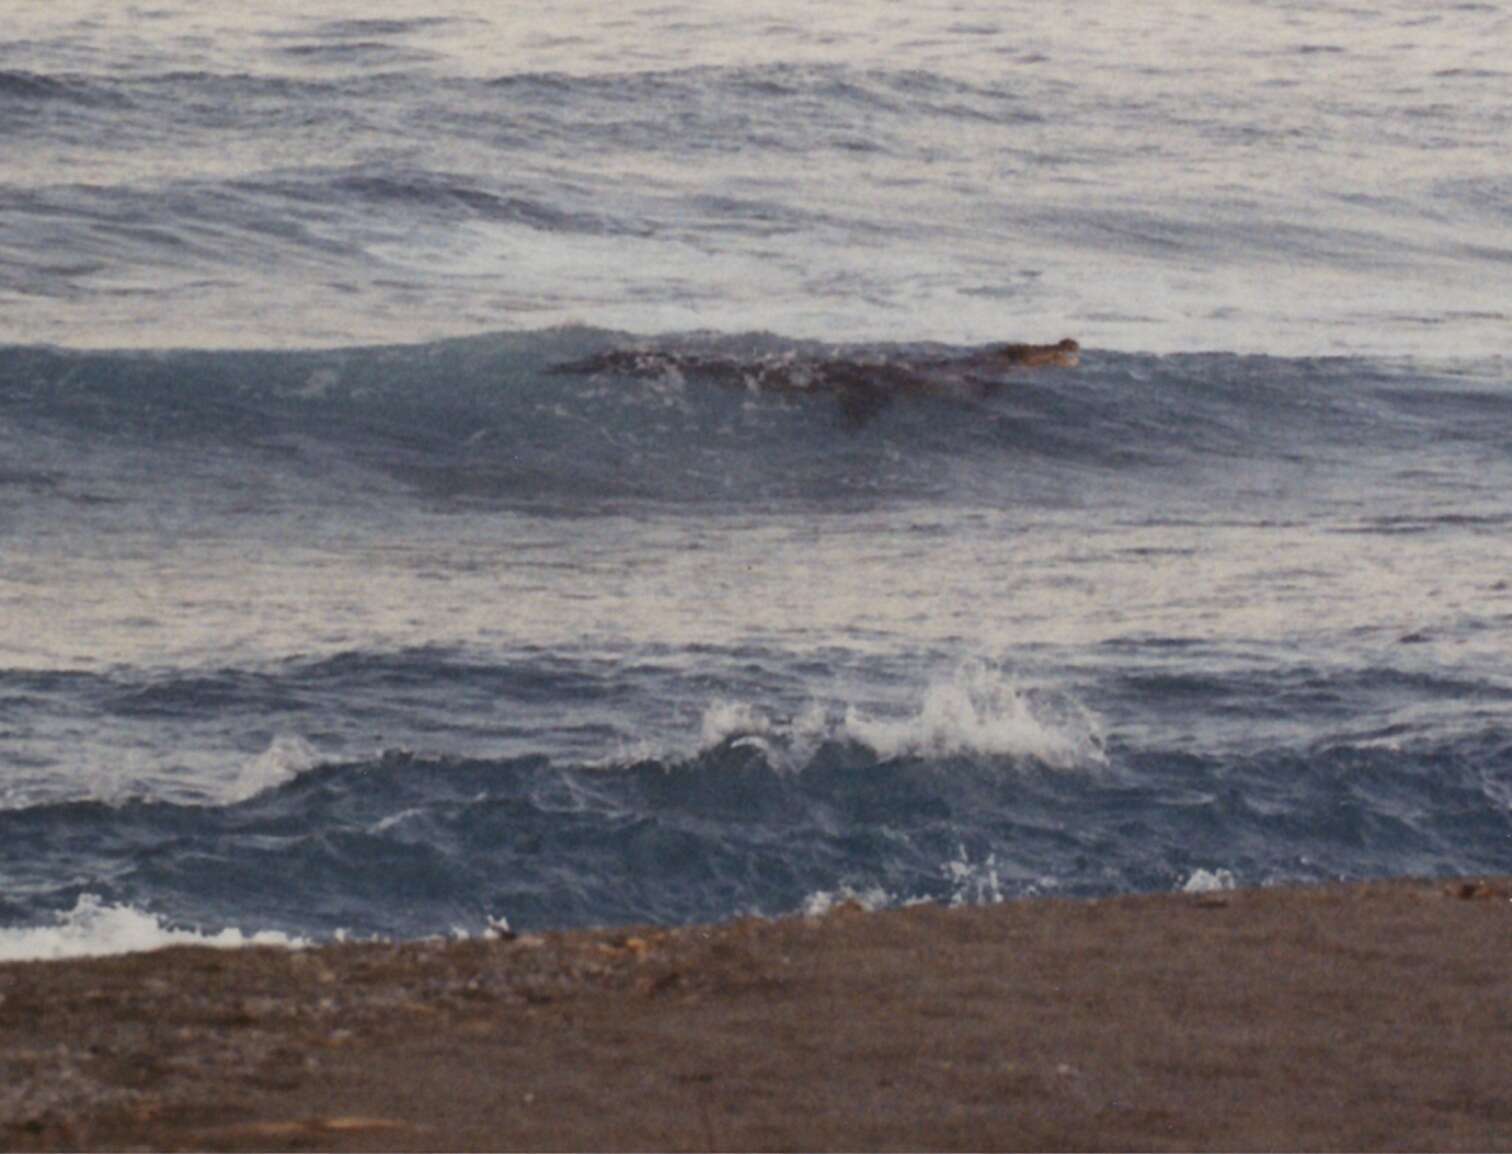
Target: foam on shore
(94, 928)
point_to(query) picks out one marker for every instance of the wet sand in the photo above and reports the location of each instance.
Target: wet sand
(1360, 1017)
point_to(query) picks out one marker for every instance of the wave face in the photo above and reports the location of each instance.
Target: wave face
(580, 419)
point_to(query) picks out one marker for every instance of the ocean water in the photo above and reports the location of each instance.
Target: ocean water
(353, 581)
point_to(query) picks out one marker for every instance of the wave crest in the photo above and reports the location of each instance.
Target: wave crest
(288, 755)
(978, 710)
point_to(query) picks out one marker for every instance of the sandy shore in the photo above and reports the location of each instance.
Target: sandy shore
(1364, 1017)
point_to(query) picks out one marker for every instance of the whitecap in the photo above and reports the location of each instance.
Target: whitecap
(982, 710)
(287, 756)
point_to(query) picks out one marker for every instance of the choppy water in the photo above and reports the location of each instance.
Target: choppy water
(397, 638)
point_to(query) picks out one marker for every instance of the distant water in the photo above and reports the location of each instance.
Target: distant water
(1293, 178)
(333, 598)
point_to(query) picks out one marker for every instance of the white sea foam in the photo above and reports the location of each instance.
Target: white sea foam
(982, 710)
(383, 825)
(822, 902)
(974, 883)
(723, 720)
(94, 928)
(788, 743)
(978, 710)
(1208, 881)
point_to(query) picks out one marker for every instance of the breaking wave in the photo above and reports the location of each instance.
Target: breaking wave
(977, 711)
(406, 845)
(93, 928)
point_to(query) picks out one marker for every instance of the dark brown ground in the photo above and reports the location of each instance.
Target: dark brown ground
(1360, 1017)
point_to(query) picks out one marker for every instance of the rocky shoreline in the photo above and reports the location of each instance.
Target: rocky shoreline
(1372, 1016)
